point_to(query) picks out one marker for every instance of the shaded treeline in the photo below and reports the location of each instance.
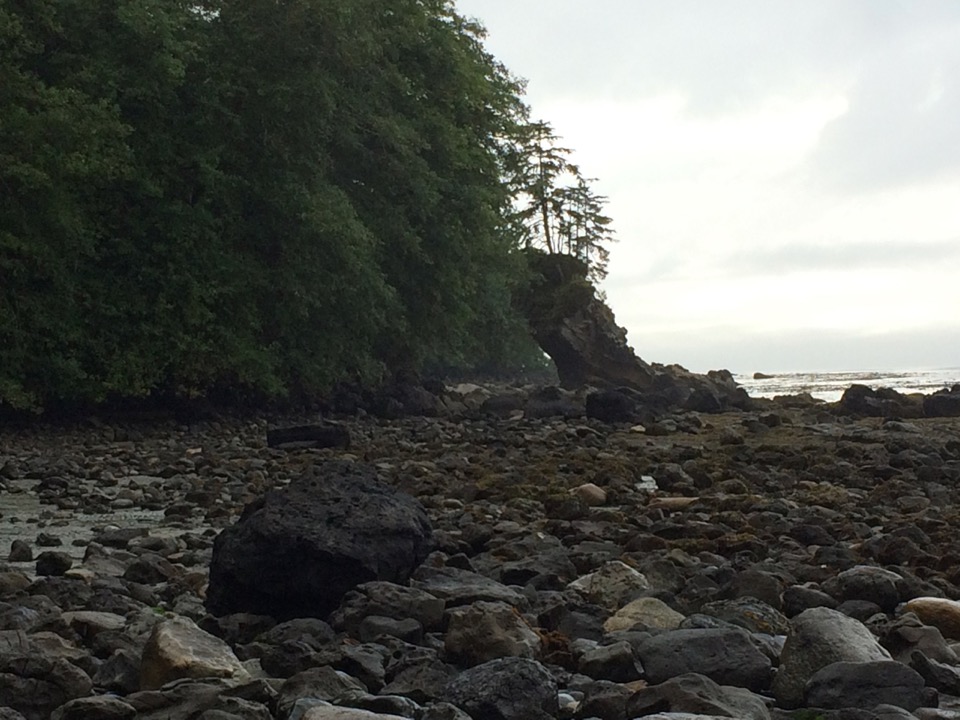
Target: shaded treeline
(255, 198)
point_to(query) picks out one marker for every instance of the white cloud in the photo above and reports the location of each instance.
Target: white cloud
(783, 176)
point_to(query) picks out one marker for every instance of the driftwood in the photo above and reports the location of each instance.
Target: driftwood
(309, 436)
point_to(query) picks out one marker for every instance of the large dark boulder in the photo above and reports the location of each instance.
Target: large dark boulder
(945, 403)
(296, 552)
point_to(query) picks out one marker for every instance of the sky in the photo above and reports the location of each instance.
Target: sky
(783, 175)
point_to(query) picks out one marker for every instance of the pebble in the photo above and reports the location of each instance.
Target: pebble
(582, 569)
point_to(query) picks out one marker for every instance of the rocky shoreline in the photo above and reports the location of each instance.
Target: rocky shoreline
(788, 560)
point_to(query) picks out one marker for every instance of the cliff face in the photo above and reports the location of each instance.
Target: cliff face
(579, 332)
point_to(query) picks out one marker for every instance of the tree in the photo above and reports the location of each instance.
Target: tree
(554, 207)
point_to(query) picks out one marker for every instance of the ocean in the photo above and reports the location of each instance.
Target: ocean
(829, 386)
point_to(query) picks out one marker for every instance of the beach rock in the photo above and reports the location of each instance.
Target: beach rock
(209, 699)
(944, 403)
(387, 599)
(866, 582)
(461, 587)
(615, 662)
(53, 562)
(296, 552)
(907, 635)
(20, 551)
(322, 684)
(725, 655)
(612, 406)
(611, 586)
(484, 631)
(505, 689)
(938, 675)
(591, 495)
(749, 613)
(323, 711)
(309, 436)
(866, 685)
(699, 696)
(177, 648)
(797, 598)
(820, 637)
(941, 613)
(95, 708)
(648, 612)
(422, 681)
(35, 685)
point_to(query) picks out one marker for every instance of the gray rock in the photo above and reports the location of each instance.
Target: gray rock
(749, 613)
(485, 631)
(462, 587)
(20, 551)
(189, 699)
(819, 637)
(296, 552)
(938, 675)
(95, 708)
(320, 683)
(505, 689)
(35, 685)
(614, 662)
(725, 655)
(866, 582)
(611, 586)
(422, 682)
(374, 626)
(332, 712)
(387, 599)
(53, 562)
(443, 711)
(865, 685)
(177, 648)
(699, 695)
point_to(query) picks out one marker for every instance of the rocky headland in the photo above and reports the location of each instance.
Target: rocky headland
(503, 553)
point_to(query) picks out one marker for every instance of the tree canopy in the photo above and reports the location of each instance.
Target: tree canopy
(204, 197)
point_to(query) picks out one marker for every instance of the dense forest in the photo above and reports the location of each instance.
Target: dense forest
(261, 199)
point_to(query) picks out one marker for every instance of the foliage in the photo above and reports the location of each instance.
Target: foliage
(259, 199)
(555, 208)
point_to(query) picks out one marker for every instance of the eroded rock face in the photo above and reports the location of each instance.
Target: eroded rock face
(579, 332)
(296, 552)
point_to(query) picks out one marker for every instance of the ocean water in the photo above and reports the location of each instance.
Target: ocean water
(829, 386)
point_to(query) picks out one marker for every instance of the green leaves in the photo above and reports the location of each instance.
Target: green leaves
(262, 198)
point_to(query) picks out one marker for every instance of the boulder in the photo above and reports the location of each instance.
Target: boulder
(866, 582)
(648, 611)
(611, 586)
(95, 708)
(612, 406)
(945, 403)
(940, 613)
(819, 637)
(865, 685)
(296, 552)
(177, 648)
(725, 655)
(505, 689)
(484, 631)
(697, 695)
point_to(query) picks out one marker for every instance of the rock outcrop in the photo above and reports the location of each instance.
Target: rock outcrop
(579, 332)
(296, 552)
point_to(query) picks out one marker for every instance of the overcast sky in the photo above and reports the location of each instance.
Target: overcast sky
(783, 175)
